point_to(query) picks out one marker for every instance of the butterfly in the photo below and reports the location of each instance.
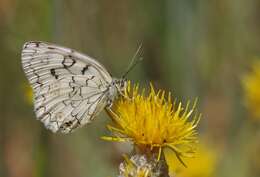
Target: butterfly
(69, 88)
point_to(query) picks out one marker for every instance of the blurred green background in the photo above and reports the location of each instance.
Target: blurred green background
(193, 48)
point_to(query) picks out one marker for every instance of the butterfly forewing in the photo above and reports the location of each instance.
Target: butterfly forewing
(69, 87)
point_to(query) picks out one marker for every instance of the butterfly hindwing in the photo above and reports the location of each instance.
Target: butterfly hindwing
(69, 87)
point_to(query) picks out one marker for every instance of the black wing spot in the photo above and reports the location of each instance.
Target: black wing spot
(69, 123)
(53, 73)
(66, 124)
(68, 61)
(84, 69)
(73, 79)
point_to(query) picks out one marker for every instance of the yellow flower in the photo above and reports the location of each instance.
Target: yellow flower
(153, 123)
(251, 83)
(201, 165)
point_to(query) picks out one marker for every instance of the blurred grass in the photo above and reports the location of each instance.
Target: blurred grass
(193, 48)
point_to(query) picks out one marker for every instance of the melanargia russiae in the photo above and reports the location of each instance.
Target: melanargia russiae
(70, 88)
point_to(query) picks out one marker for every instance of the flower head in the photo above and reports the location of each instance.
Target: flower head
(152, 122)
(251, 83)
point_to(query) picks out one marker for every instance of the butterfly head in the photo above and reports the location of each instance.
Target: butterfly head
(120, 84)
(115, 89)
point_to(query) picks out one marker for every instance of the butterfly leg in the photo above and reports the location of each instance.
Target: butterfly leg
(124, 96)
(112, 113)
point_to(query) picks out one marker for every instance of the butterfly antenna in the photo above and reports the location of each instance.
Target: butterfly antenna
(134, 61)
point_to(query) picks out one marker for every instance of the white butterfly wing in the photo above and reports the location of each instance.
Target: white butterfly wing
(69, 87)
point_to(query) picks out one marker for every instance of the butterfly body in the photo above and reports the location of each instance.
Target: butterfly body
(70, 88)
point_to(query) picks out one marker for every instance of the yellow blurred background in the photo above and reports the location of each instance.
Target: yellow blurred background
(192, 48)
